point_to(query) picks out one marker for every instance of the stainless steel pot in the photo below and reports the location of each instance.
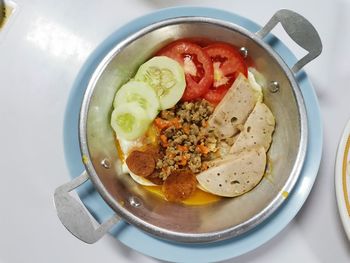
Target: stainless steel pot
(217, 221)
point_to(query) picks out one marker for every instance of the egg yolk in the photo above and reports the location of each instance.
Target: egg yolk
(199, 197)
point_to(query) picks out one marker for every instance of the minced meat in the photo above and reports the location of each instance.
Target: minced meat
(185, 142)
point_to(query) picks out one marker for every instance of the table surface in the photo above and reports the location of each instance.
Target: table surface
(42, 47)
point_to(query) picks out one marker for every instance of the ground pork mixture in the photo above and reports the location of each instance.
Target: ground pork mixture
(185, 140)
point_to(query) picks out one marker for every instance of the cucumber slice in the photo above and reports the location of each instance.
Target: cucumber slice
(130, 121)
(166, 77)
(140, 92)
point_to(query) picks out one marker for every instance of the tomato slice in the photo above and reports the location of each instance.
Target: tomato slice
(214, 96)
(197, 66)
(227, 64)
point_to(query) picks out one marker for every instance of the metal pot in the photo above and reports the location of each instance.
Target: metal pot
(207, 223)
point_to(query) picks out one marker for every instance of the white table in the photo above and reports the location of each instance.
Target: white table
(41, 51)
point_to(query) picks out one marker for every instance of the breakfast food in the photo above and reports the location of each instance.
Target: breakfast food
(192, 122)
(257, 129)
(237, 174)
(233, 110)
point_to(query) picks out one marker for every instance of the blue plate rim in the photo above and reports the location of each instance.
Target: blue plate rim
(180, 252)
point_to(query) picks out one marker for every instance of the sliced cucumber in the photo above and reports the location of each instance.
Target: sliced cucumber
(130, 121)
(140, 92)
(166, 77)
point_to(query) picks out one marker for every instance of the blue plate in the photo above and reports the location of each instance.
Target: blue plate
(180, 252)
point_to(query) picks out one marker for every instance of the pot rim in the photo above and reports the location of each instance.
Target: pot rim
(192, 237)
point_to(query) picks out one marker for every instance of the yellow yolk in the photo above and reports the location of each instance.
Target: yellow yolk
(199, 197)
(119, 150)
(152, 136)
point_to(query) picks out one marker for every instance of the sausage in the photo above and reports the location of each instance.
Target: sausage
(179, 185)
(154, 178)
(141, 163)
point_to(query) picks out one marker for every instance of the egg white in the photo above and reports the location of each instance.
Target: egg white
(125, 147)
(256, 81)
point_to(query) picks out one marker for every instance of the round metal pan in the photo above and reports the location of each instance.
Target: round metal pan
(208, 223)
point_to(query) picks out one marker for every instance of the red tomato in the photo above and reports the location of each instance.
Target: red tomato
(227, 63)
(197, 66)
(214, 96)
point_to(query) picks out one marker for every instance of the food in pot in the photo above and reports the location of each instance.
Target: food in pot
(166, 78)
(227, 64)
(233, 110)
(179, 185)
(196, 64)
(141, 163)
(236, 174)
(192, 122)
(257, 130)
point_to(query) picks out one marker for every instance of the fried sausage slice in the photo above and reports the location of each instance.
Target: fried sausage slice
(141, 163)
(179, 185)
(154, 178)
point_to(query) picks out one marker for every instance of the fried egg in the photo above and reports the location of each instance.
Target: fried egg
(124, 147)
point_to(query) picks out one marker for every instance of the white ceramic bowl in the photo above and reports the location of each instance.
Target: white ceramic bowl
(342, 178)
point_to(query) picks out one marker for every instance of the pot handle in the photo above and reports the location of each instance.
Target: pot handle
(74, 215)
(300, 30)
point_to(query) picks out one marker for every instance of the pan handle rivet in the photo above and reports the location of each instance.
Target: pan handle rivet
(244, 52)
(134, 201)
(274, 86)
(106, 164)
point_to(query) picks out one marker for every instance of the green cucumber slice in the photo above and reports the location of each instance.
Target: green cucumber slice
(130, 121)
(166, 77)
(140, 92)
